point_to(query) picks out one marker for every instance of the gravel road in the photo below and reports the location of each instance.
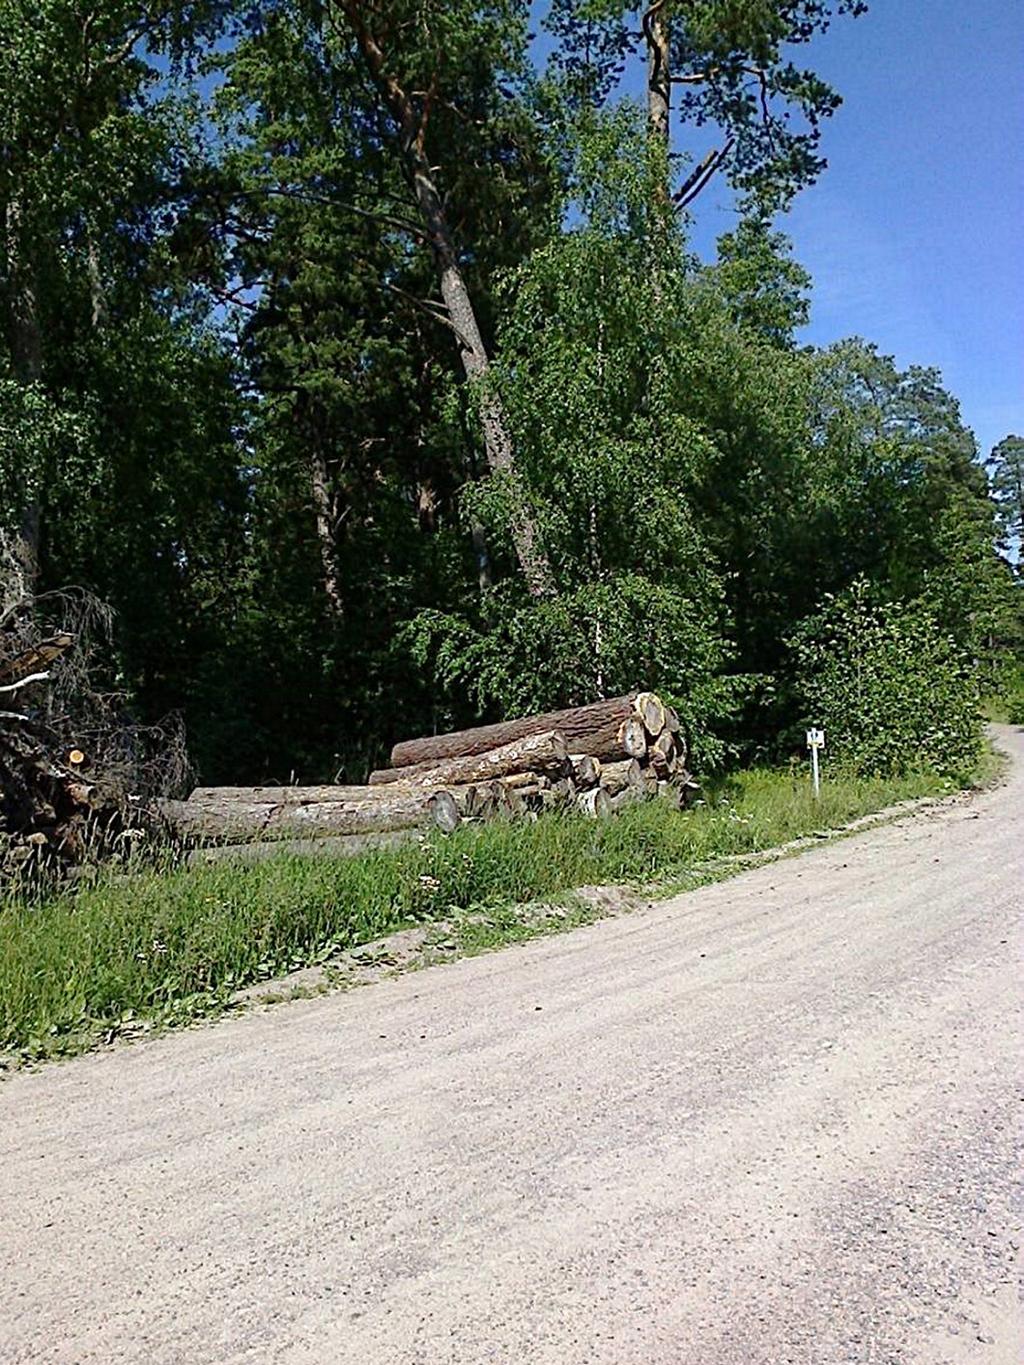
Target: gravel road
(775, 1120)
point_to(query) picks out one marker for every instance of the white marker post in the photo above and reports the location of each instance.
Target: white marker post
(815, 741)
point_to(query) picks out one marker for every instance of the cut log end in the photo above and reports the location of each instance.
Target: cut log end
(632, 738)
(596, 804)
(586, 769)
(650, 710)
(444, 811)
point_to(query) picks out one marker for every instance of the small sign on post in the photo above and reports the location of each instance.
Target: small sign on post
(815, 742)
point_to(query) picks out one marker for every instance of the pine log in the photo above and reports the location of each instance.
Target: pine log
(543, 752)
(631, 738)
(595, 803)
(672, 720)
(586, 770)
(665, 745)
(218, 798)
(591, 729)
(524, 780)
(363, 813)
(625, 775)
(329, 846)
(662, 755)
(444, 811)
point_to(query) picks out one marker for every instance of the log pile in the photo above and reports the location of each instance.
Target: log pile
(593, 759)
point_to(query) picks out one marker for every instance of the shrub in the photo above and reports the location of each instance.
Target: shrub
(892, 691)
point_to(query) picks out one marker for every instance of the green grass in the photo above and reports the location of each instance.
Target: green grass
(167, 946)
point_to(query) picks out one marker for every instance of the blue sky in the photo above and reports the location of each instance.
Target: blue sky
(913, 234)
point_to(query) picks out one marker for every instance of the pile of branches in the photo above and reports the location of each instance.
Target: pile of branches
(78, 781)
(594, 759)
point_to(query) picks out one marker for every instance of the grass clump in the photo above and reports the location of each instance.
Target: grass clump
(165, 946)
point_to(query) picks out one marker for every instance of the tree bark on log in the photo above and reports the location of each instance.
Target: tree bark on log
(327, 846)
(545, 752)
(626, 775)
(586, 769)
(369, 813)
(595, 803)
(216, 798)
(591, 729)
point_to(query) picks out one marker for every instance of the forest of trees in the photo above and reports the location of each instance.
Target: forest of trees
(355, 353)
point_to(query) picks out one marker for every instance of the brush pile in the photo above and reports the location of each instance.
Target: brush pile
(593, 759)
(76, 780)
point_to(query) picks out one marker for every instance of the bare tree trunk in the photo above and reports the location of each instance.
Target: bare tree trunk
(656, 28)
(26, 343)
(97, 294)
(659, 75)
(461, 313)
(326, 525)
(484, 577)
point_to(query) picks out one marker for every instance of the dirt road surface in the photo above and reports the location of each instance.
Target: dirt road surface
(775, 1120)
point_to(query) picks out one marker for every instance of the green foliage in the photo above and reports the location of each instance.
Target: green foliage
(164, 947)
(231, 397)
(43, 445)
(732, 68)
(1006, 470)
(892, 692)
(766, 290)
(587, 376)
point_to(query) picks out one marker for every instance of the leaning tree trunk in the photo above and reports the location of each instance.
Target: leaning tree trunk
(461, 313)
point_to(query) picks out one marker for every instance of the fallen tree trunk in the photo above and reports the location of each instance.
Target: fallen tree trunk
(327, 846)
(542, 753)
(220, 798)
(591, 729)
(368, 812)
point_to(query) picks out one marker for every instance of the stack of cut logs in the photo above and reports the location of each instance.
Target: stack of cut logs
(591, 758)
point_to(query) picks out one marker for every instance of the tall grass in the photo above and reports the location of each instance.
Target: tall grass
(167, 946)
